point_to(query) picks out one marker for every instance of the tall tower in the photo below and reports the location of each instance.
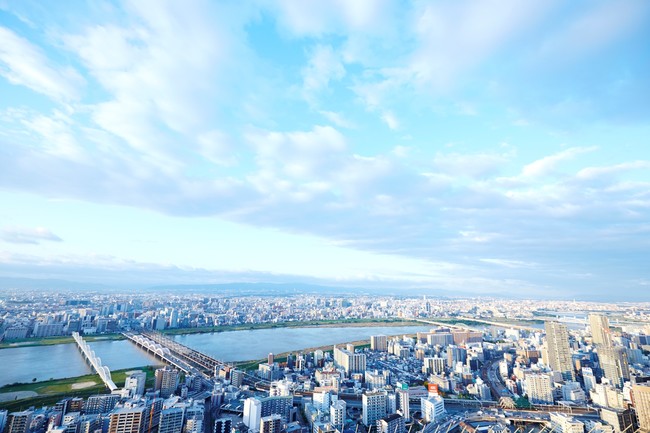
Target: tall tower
(166, 381)
(600, 332)
(559, 352)
(641, 398)
(613, 361)
(373, 407)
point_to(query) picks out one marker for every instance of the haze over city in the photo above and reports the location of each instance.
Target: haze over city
(495, 147)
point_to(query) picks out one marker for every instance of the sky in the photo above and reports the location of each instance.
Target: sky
(489, 147)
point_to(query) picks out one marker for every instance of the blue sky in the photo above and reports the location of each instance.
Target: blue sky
(484, 147)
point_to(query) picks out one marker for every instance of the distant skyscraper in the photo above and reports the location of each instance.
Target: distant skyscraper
(236, 378)
(171, 420)
(222, 425)
(641, 399)
(391, 424)
(559, 352)
(271, 424)
(539, 388)
(348, 360)
(193, 420)
(373, 407)
(614, 363)
(379, 343)
(166, 381)
(433, 407)
(270, 359)
(403, 404)
(252, 413)
(126, 420)
(337, 414)
(103, 403)
(600, 331)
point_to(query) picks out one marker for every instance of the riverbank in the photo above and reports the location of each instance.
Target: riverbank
(297, 324)
(22, 395)
(50, 341)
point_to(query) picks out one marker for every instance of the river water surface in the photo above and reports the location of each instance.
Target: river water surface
(22, 364)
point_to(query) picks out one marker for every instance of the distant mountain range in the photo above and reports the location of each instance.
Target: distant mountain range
(234, 288)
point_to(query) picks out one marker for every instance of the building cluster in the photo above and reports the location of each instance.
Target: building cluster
(396, 382)
(25, 315)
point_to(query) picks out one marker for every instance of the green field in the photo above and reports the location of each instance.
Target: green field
(51, 391)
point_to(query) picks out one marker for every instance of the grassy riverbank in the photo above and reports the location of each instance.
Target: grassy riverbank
(51, 391)
(305, 324)
(49, 341)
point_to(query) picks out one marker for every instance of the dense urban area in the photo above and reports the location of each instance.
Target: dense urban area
(483, 365)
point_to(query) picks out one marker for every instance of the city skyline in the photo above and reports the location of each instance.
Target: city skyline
(481, 148)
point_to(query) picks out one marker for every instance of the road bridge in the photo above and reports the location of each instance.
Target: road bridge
(94, 361)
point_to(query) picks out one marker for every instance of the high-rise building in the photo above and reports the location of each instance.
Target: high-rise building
(18, 422)
(614, 363)
(222, 425)
(641, 400)
(589, 378)
(379, 343)
(193, 419)
(171, 420)
(373, 407)
(403, 404)
(252, 413)
(89, 424)
(271, 424)
(102, 403)
(559, 352)
(135, 383)
(337, 414)
(126, 420)
(539, 388)
(433, 407)
(622, 420)
(391, 424)
(349, 361)
(166, 381)
(434, 365)
(236, 378)
(600, 332)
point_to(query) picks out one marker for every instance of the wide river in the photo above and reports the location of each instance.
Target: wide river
(23, 364)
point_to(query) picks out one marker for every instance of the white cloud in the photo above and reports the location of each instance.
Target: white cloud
(593, 30)
(457, 36)
(338, 119)
(324, 66)
(28, 235)
(320, 17)
(23, 63)
(390, 120)
(590, 173)
(547, 165)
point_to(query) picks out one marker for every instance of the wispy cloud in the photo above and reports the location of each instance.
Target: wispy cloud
(25, 64)
(28, 235)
